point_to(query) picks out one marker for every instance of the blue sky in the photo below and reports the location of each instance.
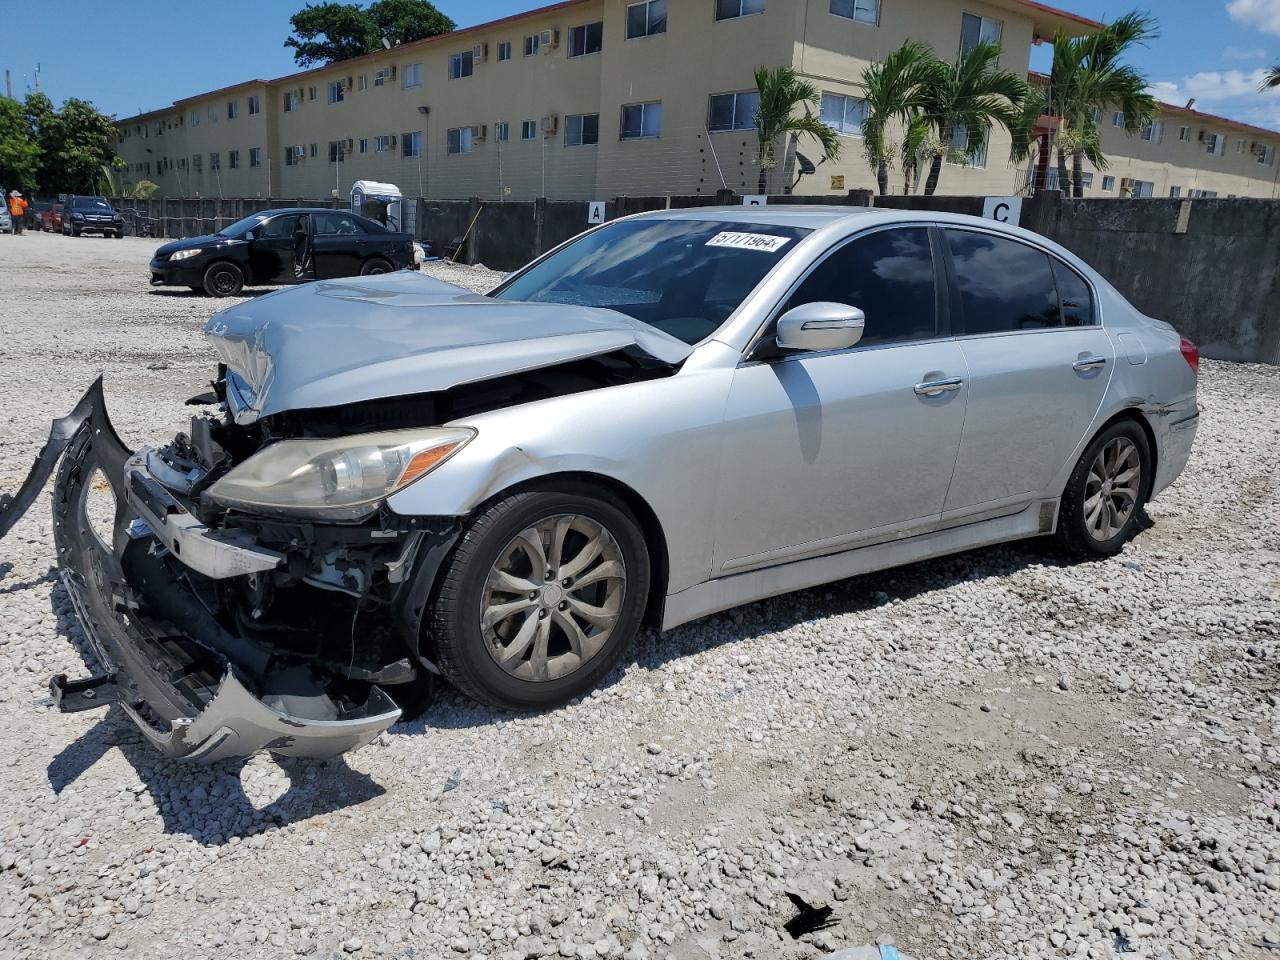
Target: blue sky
(143, 54)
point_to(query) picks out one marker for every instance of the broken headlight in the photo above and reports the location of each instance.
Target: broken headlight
(340, 478)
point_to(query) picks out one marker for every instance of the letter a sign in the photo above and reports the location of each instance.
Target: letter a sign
(595, 212)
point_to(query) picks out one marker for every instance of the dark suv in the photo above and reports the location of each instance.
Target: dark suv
(91, 215)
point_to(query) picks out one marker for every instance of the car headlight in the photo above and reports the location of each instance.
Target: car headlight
(77, 216)
(339, 478)
(186, 254)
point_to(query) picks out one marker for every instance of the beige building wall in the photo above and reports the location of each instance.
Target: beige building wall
(680, 69)
(1178, 160)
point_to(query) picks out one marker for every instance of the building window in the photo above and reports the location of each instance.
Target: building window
(233, 159)
(646, 18)
(255, 156)
(362, 83)
(586, 39)
(1184, 133)
(312, 150)
(1143, 189)
(1175, 192)
(461, 65)
(364, 144)
(380, 77)
(255, 105)
(1267, 156)
(233, 109)
(1204, 194)
(1117, 118)
(381, 144)
(1215, 143)
(195, 118)
(975, 30)
(863, 11)
(1096, 115)
(337, 151)
(1108, 184)
(411, 144)
(977, 157)
(197, 162)
(213, 116)
(1086, 180)
(336, 91)
(413, 75)
(290, 102)
(504, 50)
(641, 121)
(531, 45)
(528, 129)
(458, 140)
(733, 111)
(502, 131)
(215, 161)
(311, 93)
(1240, 146)
(1153, 132)
(732, 9)
(843, 114)
(581, 129)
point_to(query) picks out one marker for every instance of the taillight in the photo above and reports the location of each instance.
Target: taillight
(1190, 353)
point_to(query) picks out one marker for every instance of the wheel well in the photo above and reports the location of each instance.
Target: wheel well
(654, 538)
(376, 258)
(1136, 415)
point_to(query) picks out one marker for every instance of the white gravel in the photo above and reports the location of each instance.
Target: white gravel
(994, 755)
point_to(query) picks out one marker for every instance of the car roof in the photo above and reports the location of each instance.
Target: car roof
(272, 213)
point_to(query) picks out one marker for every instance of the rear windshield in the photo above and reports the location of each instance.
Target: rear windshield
(684, 277)
(89, 203)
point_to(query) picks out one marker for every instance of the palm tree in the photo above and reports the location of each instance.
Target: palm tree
(1271, 80)
(969, 96)
(1088, 80)
(894, 93)
(781, 92)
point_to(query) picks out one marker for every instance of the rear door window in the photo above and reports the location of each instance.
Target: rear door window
(1075, 295)
(328, 224)
(888, 275)
(1005, 286)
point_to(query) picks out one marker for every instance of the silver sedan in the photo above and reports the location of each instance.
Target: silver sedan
(673, 414)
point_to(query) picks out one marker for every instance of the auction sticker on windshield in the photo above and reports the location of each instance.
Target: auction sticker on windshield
(764, 242)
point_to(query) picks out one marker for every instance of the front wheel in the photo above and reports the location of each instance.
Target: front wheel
(223, 280)
(543, 595)
(1107, 490)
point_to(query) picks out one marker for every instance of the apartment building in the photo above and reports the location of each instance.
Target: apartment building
(1185, 153)
(577, 100)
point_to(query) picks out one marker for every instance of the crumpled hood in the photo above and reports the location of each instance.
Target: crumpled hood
(336, 342)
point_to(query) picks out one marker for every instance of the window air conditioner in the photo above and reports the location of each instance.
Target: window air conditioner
(480, 52)
(551, 123)
(548, 39)
(479, 131)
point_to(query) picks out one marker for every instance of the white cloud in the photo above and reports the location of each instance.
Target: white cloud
(1242, 55)
(1231, 93)
(1262, 14)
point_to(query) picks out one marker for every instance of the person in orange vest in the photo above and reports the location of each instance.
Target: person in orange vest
(17, 210)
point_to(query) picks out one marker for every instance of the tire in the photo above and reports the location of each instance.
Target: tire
(75, 232)
(1102, 503)
(468, 650)
(375, 266)
(223, 279)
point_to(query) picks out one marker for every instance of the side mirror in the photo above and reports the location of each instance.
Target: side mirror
(250, 235)
(815, 327)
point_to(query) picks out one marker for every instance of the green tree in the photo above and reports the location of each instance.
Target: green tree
(1088, 79)
(75, 143)
(19, 152)
(1272, 79)
(894, 94)
(781, 93)
(964, 100)
(329, 32)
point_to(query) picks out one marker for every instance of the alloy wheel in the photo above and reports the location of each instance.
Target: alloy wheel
(1111, 489)
(553, 597)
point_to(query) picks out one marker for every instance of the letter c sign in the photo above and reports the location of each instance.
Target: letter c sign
(1003, 209)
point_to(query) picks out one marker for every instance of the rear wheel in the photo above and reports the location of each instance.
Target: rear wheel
(1107, 490)
(543, 595)
(223, 280)
(374, 267)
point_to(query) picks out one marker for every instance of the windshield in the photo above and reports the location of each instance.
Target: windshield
(238, 229)
(684, 277)
(90, 203)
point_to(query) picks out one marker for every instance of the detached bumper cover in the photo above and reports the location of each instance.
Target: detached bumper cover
(233, 722)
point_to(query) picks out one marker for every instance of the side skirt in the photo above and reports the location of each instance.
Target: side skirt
(1038, 519)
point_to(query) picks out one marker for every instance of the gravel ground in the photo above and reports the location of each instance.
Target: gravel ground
(994, 755)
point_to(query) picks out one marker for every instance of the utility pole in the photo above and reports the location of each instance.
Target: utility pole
(8, 84)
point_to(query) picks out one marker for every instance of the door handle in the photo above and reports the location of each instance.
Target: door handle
(936, 388)
(1089, 363)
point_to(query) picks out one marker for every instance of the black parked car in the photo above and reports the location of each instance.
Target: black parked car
(282, 246)
(91, 215)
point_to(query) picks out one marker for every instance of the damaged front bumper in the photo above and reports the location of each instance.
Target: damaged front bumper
(150, 603)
